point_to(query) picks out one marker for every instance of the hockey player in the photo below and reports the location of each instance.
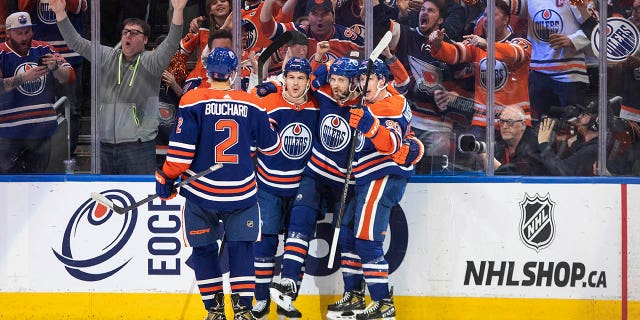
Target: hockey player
(324, 175)
(380, 183)
(295, 113)
(219, 125)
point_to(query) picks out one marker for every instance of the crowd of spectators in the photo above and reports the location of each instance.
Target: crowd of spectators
(544, 66)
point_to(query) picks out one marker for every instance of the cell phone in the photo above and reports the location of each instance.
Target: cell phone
(40, 62)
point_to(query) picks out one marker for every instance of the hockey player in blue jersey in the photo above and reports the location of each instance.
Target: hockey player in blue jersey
(383, 163)
(295, 113)
(324, 175)
(219, 125)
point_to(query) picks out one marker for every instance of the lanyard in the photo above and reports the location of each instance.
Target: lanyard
(135, 68)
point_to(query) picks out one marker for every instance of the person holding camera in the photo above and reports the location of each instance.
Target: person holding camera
(27, 71)
(516, 153)
(582, 154)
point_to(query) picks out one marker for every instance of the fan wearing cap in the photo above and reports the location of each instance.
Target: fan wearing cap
(322, 27)
(27, 71)
(130, 84)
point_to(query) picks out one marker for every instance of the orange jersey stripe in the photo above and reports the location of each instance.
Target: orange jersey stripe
(278, 179)
(211, 289)
(369, 208)
(243, 286)
(224, 191)
(181, 153)
(296, 249)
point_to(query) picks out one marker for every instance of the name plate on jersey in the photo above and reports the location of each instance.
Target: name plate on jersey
(623, 39)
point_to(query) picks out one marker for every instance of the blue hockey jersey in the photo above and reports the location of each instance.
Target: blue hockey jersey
(219, 126)
(280, 174)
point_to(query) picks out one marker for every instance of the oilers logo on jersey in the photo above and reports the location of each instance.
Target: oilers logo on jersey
(296, 140)
(547, 22)
(335, 133)
(45, 14)
(34, 87)
(250, 33)
(501, 70)
(360, 143)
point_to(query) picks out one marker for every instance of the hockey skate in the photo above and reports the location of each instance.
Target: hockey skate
(260, 310)
(351, 304)
(290, 315)
(216, 312)
(380, 310)
(283, 294)
(240, 312)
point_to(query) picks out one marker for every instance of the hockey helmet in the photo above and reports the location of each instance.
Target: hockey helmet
(297, 64)
(378, 67)
(221, 62)
(344, 66)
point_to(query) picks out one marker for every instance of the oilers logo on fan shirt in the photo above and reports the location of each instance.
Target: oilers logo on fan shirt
(545, 23)
(501, 70)
(623, 39)
(335, 133)
(34, 87)
(296, 140)
(45, 14)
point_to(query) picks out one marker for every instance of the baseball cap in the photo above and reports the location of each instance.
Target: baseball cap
(311, 4)
(18, 20)
(298, 38)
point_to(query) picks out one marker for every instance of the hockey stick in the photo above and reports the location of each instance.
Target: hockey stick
(384, 42)
(102, 199)
(277, 43)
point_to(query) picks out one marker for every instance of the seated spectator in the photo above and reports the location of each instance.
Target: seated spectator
(583, 153)
(27, 71)
(128, 118)
(516, 152)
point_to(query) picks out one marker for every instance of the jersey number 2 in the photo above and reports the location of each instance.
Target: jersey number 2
(231, 126)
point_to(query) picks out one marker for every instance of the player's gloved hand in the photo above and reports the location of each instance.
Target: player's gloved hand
(364, 121)
(320, 76)
(410, 152)
(165, 187)
(265, 89)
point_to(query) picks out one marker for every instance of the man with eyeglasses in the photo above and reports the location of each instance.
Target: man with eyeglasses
(128, 117)
(516, 152)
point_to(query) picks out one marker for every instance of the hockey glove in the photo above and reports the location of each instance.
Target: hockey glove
(265, 89)
(320, 76)
(410, 152)
(364, 121)
(165, 187)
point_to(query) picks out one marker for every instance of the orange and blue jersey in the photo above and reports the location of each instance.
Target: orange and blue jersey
(26, 112)
(511, 69)
(373, 155)
(330, 151)
(219, 126)
(280, 174)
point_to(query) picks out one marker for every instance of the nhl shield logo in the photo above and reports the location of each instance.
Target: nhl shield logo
(537, 227)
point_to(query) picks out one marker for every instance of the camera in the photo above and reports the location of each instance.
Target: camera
(467, 143)
(562, 126)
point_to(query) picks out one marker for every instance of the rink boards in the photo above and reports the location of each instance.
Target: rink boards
(459, 248)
